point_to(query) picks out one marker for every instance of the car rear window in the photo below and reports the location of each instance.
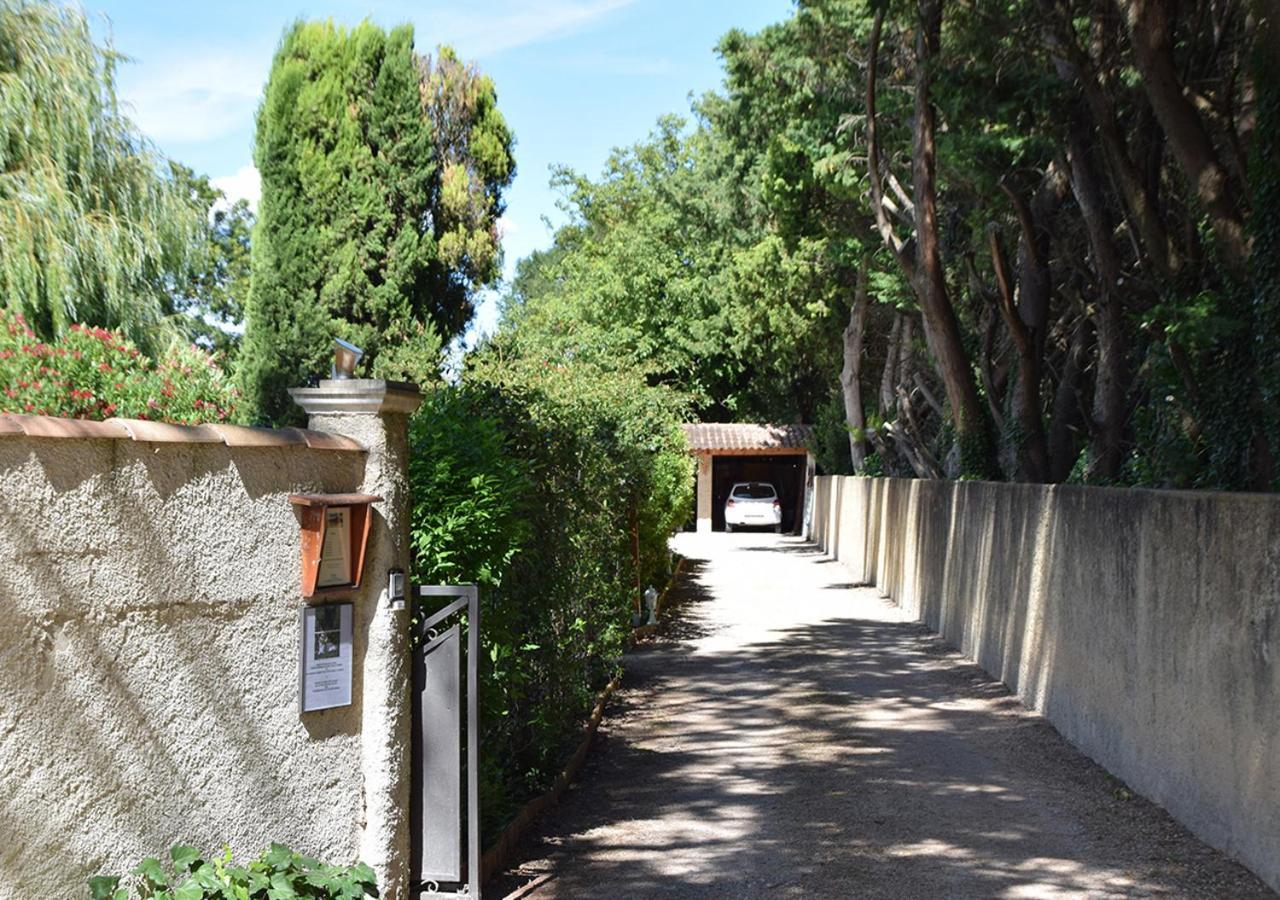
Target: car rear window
(756, 490)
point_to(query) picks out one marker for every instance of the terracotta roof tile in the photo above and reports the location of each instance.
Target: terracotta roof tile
(253, 436)
(52, 427)
(13, 424)
(164, 433)
(707, 436)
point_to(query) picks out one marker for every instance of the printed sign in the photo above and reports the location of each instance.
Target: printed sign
(335, 555)
(326, 656)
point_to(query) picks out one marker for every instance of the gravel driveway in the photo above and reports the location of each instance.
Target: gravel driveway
(789, 735)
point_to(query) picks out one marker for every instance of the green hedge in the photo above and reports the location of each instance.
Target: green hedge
(535, 481)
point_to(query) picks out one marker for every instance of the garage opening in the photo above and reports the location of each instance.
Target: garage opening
(785, 473)
(729, 454)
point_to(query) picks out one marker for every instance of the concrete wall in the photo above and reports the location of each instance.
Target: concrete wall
(149, 658)
(1144, 625)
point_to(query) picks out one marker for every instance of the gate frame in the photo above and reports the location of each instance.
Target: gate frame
(469, 595)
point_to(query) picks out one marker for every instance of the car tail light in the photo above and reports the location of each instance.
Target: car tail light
(730, 503)
(777, 504)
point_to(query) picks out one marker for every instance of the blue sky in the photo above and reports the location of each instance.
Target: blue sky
(575, 78)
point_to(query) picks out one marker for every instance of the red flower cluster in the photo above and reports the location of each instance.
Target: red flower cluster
(95, 373)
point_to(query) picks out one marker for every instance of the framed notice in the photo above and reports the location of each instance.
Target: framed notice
(326, 657)
(335, 555)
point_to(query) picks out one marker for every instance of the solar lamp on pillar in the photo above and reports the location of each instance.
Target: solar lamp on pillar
(345, 359)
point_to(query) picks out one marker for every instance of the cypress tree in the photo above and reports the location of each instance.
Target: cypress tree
(358, 224)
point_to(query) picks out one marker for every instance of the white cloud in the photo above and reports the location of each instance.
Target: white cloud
(242, 184)
(200, 97)
(203, 95)
(507, 226)
(517, 24)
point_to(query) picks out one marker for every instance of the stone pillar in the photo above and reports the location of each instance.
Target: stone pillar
(376, 414)
(810, 472)
(704, 492)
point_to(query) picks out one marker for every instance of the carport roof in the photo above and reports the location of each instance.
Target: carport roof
(705, 437)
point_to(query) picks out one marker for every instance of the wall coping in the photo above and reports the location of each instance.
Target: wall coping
(146, 432)
(1114, 490)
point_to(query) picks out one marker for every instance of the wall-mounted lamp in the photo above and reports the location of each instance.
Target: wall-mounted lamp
(345, 359)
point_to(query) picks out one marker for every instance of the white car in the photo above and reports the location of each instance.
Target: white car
(753, 503)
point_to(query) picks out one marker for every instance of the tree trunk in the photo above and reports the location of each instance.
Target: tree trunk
(851, 373)
(1033, 454)
(904, 430)
(889, 377)
(1067, 421)
(1028, 319)
(1111, 373)
(941, 327)
(1151, 34)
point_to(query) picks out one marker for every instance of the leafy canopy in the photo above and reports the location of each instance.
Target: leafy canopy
(93, 228)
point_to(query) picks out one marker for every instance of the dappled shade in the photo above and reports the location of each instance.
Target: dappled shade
(792, 736)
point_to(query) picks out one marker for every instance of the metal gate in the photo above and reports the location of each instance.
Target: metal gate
(445, 834)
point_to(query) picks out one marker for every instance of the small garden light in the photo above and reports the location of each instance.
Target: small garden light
(345, 358)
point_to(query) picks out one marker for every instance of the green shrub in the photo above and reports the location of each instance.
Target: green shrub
(278, 874)
(537, 481)
(92, 373)
(470, 490)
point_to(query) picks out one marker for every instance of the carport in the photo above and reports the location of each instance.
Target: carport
(729, 453)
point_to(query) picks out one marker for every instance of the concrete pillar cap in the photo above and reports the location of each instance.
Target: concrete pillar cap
(357, 396)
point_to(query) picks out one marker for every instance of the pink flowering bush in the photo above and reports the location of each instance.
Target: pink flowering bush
(93, 373)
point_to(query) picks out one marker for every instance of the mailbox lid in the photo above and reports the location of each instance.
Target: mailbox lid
(333, 499)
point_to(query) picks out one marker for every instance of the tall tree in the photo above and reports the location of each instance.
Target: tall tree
(921, 257)
(1068, 252)
(93, 228)
(666, 266)
(214, 294)
(382, 175)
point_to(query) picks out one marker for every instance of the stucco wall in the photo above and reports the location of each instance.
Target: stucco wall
(703, 491)
(149, 659)
(1144, 625)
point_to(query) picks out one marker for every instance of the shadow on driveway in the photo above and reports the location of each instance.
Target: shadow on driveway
(828, 750)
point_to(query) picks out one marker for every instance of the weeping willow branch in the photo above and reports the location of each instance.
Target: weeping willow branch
(93, 228)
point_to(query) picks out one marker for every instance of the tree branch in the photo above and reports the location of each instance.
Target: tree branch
(883, 223)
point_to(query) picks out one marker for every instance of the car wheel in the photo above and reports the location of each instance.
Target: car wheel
(728, 529)
(777, 529)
